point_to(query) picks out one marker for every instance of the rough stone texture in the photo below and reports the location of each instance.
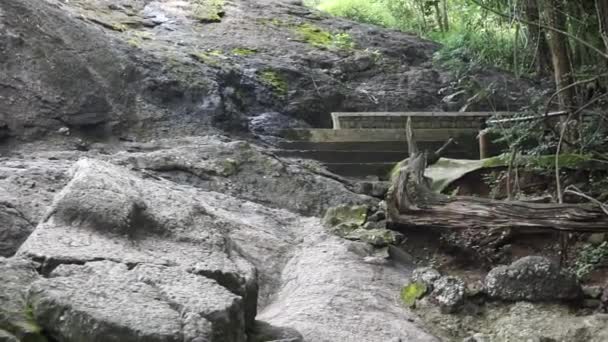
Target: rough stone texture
(5, 336)
(240, 169)
(532, 278)
(326, 279)
(426, 275)
(154, 218)
(131, 77)
(27, 187)
(105, 301)
(16, 275)
(448, 292)
(106, 212)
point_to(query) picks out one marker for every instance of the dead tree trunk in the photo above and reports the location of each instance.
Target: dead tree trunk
(410, 202)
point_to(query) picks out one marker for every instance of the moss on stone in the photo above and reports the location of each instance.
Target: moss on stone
(274, 80)
(412, 292)
(349, 214)
(320, 38)
(376, 237)
(211, 58)
(23, 325)
(208, 11)
(243, 52)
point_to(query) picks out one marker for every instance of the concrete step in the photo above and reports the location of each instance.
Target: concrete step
(342, 156)
(378, 134)
(471, 147)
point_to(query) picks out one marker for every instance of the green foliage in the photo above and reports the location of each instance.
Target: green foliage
(475, 37)
(366, 11)
(275, 81)
(208, 11)
(589, 258)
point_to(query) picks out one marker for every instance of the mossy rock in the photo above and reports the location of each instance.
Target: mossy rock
(320, 38)
(208, 11)
(412, 292)
(350, 214)
(22, 325)
(275, 81)
(243, 52)
(375, 237)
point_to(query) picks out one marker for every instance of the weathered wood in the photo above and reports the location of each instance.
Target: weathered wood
(410, 202)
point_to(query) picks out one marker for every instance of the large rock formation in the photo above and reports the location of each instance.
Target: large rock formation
(193, 263)
(128, 67)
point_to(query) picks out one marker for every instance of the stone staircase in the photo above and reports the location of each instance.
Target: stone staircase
(368, 145)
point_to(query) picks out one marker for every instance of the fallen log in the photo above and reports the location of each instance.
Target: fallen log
(411, 202)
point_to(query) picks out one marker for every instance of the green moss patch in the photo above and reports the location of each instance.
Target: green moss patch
(243, 52)
(349, 214)
(208, 11)
(412, 292)
(275, 81)
(211, 57)
(320, 38)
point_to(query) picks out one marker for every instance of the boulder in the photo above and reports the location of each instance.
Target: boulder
(108, 213)
(105, 301)
(448, 293)
(532, 278)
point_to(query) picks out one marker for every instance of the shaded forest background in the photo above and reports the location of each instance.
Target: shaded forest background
(563, 42)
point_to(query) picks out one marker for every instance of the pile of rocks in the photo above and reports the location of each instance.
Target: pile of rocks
(361, 223)
(532, 278)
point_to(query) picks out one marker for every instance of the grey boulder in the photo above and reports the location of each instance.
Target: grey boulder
(532, 278)
(105, 301)
(448, 293)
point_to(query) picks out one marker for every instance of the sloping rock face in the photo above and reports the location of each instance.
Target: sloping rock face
(141, 255)
(104, 68)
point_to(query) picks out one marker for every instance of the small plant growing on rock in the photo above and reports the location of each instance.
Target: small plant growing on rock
(320, 38)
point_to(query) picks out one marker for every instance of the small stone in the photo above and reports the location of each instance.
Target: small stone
(377, 216)
(64, 131)
(374, 225)
(474, 289)
(597, 238)
(448, 292)
(426, 275)
(592, 291)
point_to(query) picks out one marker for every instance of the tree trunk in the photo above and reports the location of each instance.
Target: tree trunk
(560, 52)
(446, 20)
(410, 202)
(537, 39)
(438, 16)
(602, 14)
